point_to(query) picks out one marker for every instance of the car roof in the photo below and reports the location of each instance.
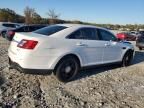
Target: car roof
(70, 29)
(79, 26)
(73, 27)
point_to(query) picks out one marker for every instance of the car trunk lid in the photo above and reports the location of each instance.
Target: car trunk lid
(15, 49)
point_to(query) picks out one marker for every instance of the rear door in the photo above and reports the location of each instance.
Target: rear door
(112, 48)
(90, 48)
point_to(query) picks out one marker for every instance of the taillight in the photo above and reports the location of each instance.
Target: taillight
(27, 44)
(11, 33)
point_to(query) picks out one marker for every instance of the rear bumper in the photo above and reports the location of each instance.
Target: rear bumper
(16, 66)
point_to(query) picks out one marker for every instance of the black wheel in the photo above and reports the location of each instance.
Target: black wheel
(67, 69)
(127, 59)
(140, 48)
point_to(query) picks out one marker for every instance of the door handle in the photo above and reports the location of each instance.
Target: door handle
(107, 44)
(81, 44)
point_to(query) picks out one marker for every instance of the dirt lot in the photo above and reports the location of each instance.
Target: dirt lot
(103, 87)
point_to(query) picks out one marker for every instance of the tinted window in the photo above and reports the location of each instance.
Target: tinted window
(26, 29)
(141, 39)
(32, 28)
(89, 33)
(9, 25)
(85, 33)
(107, 36)
(76, 35)
(20, 29)
(141, 32)
(39, 26)
(16, 25)
(50, 30)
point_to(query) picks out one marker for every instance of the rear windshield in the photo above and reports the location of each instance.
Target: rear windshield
(50, 30)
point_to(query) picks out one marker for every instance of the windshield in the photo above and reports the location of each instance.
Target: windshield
(50, 30)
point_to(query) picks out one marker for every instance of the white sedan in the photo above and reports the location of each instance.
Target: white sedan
(64, 49)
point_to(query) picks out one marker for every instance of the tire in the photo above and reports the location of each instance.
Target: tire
(140, 48)
(127, 59)
(67, 69)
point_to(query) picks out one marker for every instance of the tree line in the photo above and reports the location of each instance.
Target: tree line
(32, 17)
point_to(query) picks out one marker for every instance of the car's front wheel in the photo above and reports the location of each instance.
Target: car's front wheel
(127, 59)
(67, 69)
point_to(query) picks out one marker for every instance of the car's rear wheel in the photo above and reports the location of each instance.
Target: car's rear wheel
(127, 59)
(67, 69)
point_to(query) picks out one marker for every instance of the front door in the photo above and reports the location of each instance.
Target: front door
(112, 50)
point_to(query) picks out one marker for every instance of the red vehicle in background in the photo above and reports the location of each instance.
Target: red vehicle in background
(126, 36)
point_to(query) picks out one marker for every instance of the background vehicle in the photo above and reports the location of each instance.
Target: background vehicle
(65, 48)
(4, 26)
(140, 42)
(126, 36)
(134, 32)
(141, 32)
(29, 28)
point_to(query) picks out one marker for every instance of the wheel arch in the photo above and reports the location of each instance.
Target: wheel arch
(78, 58)
(131, 51)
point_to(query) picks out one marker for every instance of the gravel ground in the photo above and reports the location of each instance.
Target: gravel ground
(103, 87)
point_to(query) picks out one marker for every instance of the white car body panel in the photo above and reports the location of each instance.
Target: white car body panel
(51, 49)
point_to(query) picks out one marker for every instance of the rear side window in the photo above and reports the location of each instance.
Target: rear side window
(89, 33)
(50, 30)
(106, 36)
(76, 35)
(85, 33)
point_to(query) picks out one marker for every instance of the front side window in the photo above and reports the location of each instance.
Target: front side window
(107, 36)
(50, 30)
